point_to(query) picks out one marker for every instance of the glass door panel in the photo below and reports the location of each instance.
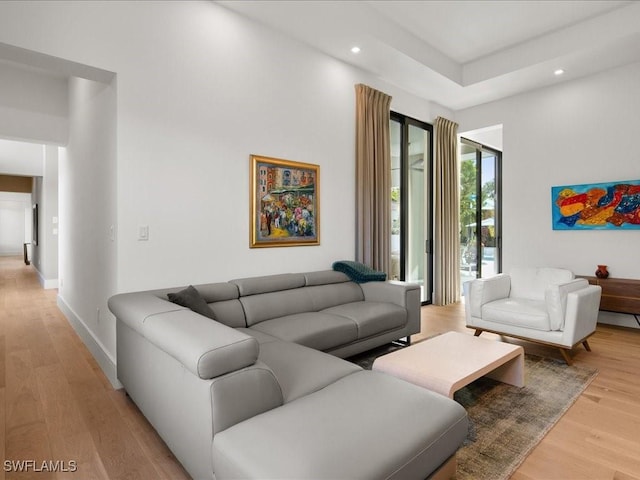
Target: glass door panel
(488, 236)
(468, 200)
(479, 211)
(417, 258)
(396, 181)
(411, 257)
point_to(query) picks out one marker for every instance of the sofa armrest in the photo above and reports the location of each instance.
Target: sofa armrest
(244, 394)
(403, 294)
(205, 347)
(555, 296)
(133, 308)
(582, 314)
(389, 292)
(485, 290)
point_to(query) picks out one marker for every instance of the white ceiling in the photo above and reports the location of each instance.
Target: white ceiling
(462, 53)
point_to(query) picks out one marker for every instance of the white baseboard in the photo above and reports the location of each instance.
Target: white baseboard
(106, 362)
(50, 283)
(46, 283)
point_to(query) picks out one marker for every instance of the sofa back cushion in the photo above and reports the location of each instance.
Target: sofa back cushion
(327, 296)
(531, 282)
(272, 296)
(244, 302)
(268, 283)
(265, 306)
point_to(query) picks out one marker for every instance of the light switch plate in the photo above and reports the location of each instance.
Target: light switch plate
(143, 232)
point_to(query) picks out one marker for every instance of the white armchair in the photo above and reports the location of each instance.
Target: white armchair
(543, 305)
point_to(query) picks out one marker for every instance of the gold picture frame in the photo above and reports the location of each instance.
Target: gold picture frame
(284, 203)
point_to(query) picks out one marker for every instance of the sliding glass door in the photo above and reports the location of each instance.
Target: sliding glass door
(411, 224)
(480, 216)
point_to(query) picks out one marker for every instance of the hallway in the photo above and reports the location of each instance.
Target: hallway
(59, 416)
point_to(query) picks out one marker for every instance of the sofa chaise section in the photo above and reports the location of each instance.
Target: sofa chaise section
(366, 426)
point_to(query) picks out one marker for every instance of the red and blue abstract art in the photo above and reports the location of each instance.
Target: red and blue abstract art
(612, 205)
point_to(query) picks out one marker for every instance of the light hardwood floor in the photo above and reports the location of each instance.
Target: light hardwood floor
(56, 405)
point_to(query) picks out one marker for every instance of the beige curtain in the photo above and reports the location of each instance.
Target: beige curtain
(373, 178)
(447, 214)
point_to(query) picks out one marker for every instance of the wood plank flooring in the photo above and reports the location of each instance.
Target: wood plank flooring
(56, 405)
(599, 436)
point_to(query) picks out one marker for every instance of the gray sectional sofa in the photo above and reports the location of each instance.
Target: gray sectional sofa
(261, 393)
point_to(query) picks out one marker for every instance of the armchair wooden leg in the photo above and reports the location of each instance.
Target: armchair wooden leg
(566, 356)
(586, 345)
(477, 332)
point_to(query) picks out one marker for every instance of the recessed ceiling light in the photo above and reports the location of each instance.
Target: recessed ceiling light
(558, 72)
(355, 49)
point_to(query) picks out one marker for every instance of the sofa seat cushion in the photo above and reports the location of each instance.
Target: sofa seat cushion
(371, 317)
(301, 370)
(521, 312)
(317, 330)
(366, 425)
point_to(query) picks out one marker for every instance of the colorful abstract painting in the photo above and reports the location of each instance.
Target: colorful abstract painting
(613, 205)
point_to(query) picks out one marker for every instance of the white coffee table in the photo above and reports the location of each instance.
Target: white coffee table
(452, 360)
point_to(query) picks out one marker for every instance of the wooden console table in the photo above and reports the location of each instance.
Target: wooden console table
(618, 295)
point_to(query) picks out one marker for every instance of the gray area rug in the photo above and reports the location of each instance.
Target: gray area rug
(507, 422)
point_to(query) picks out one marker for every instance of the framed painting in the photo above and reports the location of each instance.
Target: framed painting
(612, 205)
(284, 203)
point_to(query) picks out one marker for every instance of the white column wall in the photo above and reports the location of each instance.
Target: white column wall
(46, 252)
(45, 194)
(87, 261)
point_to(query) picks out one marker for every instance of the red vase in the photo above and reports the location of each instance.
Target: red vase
(602, 271)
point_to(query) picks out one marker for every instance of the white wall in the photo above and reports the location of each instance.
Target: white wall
(577, 132)
(19, 158)
(32, 105)
(489, 136)
(226, 89)
(13, 222)
(87, 260)
(49, 218)
(45, 254)
(199, 89)
(12, 232)
(188, 119)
